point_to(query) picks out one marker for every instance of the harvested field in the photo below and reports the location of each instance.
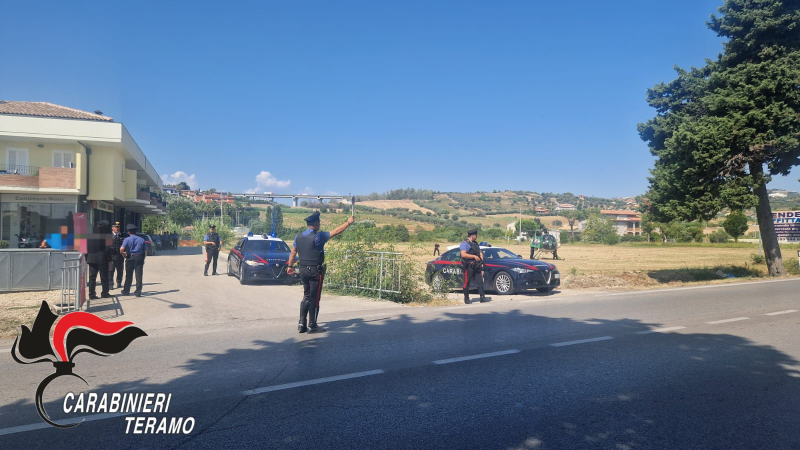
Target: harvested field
(389, 204)
(18, 308)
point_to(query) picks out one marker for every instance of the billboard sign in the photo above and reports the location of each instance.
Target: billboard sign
(787, 225)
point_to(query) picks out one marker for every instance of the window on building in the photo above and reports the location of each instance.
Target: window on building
(17, 160)
(63, 158)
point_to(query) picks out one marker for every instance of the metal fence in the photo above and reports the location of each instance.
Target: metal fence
(19, 170)
(73, 286)
(31, 269)
(372, 271)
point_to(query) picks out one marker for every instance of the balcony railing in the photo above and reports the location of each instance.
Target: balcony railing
(18, 170)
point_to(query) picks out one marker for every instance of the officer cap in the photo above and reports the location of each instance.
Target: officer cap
(102, 223)
(472, 231)
(116, 224)
(213, 227)
(131, 227)
(313, 218)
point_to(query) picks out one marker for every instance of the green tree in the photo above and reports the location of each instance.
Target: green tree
(723, 129)
(735, 224)
(154, 224)
(181, 212)
(182, 186)
(599, 230)
(573, 217)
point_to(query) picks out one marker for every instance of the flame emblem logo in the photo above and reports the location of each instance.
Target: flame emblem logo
(76, 332)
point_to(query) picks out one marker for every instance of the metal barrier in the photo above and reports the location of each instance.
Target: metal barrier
(372, 271)
(73, 283)
(31, 269)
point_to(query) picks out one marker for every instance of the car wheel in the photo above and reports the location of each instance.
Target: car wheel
(437, 282)
(503, 283)
(544, 290)
(242, 275)
(230, 270)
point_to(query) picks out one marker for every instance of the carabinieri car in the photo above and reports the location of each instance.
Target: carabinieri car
(505, 272)
(261, 257)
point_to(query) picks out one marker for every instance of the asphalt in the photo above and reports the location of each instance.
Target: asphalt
(703, 367)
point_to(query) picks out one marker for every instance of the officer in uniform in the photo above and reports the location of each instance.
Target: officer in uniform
(213, 244)
(117, 261)
(472, 265)
(311, 246)
(134, 250)
(97, 258)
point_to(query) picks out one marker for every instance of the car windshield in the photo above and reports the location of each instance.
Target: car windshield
(266, 246)
(498, 253)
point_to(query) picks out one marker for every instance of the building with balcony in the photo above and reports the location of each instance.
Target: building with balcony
(625, 222)
(57, 161)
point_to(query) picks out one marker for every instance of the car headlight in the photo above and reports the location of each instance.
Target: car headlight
(521, 270)
(252, 263)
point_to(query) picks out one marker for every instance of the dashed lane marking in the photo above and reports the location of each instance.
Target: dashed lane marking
(281, 387)
(660, 330)
(781, 312)
(728, 320)
(581, 341)
(471, 357)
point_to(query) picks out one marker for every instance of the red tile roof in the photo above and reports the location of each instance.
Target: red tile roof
(44, 109)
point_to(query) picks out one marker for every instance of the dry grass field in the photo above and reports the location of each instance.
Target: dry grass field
(389, 204)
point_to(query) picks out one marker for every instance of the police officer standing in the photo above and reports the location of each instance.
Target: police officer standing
(134, 250)
(213, 244)
(472, 265)
(97, 258)
(116, 259)
(311, 246)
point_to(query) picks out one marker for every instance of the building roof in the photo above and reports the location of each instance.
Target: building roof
(612, 211)
(44, 109)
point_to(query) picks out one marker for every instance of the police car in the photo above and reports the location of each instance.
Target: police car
(505, 272)
(260, 258)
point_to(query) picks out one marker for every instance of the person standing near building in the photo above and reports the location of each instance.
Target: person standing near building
(134, 250)
(97, 259)
(116, 259)
(213, 244)
(311, 246)
(472, 265)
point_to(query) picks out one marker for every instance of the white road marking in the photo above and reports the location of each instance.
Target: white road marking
(781, 312)
(728, 320)
(581, 341)
(5, 350)
(281, 387)
(471, 357)
(43, 425)
(660, 330)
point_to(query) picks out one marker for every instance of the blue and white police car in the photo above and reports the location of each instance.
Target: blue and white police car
(260, 258)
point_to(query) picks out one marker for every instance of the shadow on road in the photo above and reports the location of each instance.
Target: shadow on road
(674, 390)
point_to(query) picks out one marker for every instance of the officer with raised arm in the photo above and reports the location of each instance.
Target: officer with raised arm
(472, 265)
(311, 246)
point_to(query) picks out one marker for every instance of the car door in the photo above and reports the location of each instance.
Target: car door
(236, 256)
(451, 269)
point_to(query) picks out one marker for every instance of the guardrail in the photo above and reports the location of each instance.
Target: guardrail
(372, 271)
(32, 269)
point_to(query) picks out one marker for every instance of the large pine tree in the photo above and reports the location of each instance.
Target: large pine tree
(722, 130)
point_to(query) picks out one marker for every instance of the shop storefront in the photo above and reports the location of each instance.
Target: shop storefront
(25, 219)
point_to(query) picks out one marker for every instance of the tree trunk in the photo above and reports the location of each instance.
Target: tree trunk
(769, 239)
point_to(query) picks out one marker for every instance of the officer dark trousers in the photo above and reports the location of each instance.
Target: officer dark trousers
(134, 263)
(117, 263)
(473, 272)
(531, 257)
(312, 279)
(102, 269)
(211, 254)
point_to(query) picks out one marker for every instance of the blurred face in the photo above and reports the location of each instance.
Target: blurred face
(314, 225)
(211, 230)
(115, 229)
(473, 237)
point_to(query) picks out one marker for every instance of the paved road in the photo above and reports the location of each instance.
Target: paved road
(708, 367)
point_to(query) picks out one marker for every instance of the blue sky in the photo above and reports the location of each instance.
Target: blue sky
(375, 95)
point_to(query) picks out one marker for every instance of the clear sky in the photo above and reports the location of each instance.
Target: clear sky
(367, 96)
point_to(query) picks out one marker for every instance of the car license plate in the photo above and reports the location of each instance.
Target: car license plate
(558, 276)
